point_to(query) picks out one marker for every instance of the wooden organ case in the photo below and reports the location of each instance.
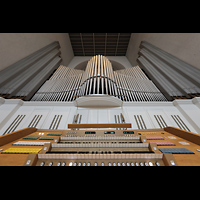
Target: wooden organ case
(91, 147)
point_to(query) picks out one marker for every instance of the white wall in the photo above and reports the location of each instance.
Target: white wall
(185, 46)
(81, 61)
(15, 46)
(187, 110)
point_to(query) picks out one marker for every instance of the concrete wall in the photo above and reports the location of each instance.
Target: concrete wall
(185, 46)
(15, 46)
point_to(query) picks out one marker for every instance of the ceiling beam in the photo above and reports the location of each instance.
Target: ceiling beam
(94, 44)
(117, 44)
(82, 43)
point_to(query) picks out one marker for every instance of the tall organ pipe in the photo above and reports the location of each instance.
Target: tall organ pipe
(98, 77)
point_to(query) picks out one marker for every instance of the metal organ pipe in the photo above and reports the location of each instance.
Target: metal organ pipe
(129, 84)
(98, 77)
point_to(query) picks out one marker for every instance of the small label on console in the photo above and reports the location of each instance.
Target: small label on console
(184, 143)
(171, 137)
(90, 132)
(128, 132)
(109, 132)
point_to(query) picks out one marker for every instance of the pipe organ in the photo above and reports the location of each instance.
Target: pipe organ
(175, 78)
(129, 84)
(98, 77)
(61, 86)
(23, 78)
(99, 116)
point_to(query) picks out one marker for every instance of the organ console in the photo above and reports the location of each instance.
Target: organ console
(168, 146)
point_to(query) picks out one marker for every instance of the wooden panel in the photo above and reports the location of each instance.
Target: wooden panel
(173, 135)
(19, 159)
(107, 125)
(16, 135)
(192, 137)
(177, 136)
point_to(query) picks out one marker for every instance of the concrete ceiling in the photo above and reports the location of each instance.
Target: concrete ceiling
(107, 44)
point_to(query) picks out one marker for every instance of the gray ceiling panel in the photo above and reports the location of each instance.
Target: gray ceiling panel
(107, 44)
